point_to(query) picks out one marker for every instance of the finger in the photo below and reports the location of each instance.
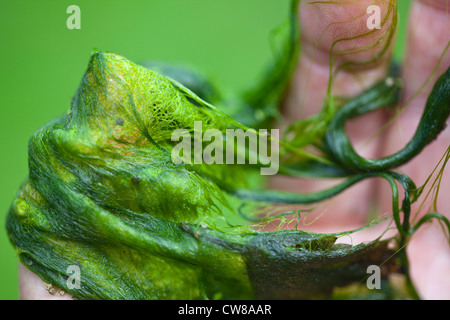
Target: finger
(429, 33)
(31, 287)
(425, 60)
(339, 28)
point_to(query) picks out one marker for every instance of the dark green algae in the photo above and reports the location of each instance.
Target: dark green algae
(103, 194)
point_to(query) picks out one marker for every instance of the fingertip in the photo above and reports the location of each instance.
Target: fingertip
(340, 28)
(344, 28)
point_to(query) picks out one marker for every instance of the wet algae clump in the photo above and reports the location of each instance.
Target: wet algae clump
(104, 193)
(105, 196)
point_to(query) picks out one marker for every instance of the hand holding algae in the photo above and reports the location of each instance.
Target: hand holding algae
(106, 193)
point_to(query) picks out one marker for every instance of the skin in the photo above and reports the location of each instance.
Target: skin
(429, 33)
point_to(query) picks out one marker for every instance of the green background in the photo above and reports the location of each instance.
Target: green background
(42, 63)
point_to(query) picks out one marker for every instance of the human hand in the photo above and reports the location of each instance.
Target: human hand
(429, 34)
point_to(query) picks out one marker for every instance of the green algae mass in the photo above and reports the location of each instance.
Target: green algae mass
(103, 194)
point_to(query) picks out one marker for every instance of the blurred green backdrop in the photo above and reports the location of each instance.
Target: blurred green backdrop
(42, 63)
